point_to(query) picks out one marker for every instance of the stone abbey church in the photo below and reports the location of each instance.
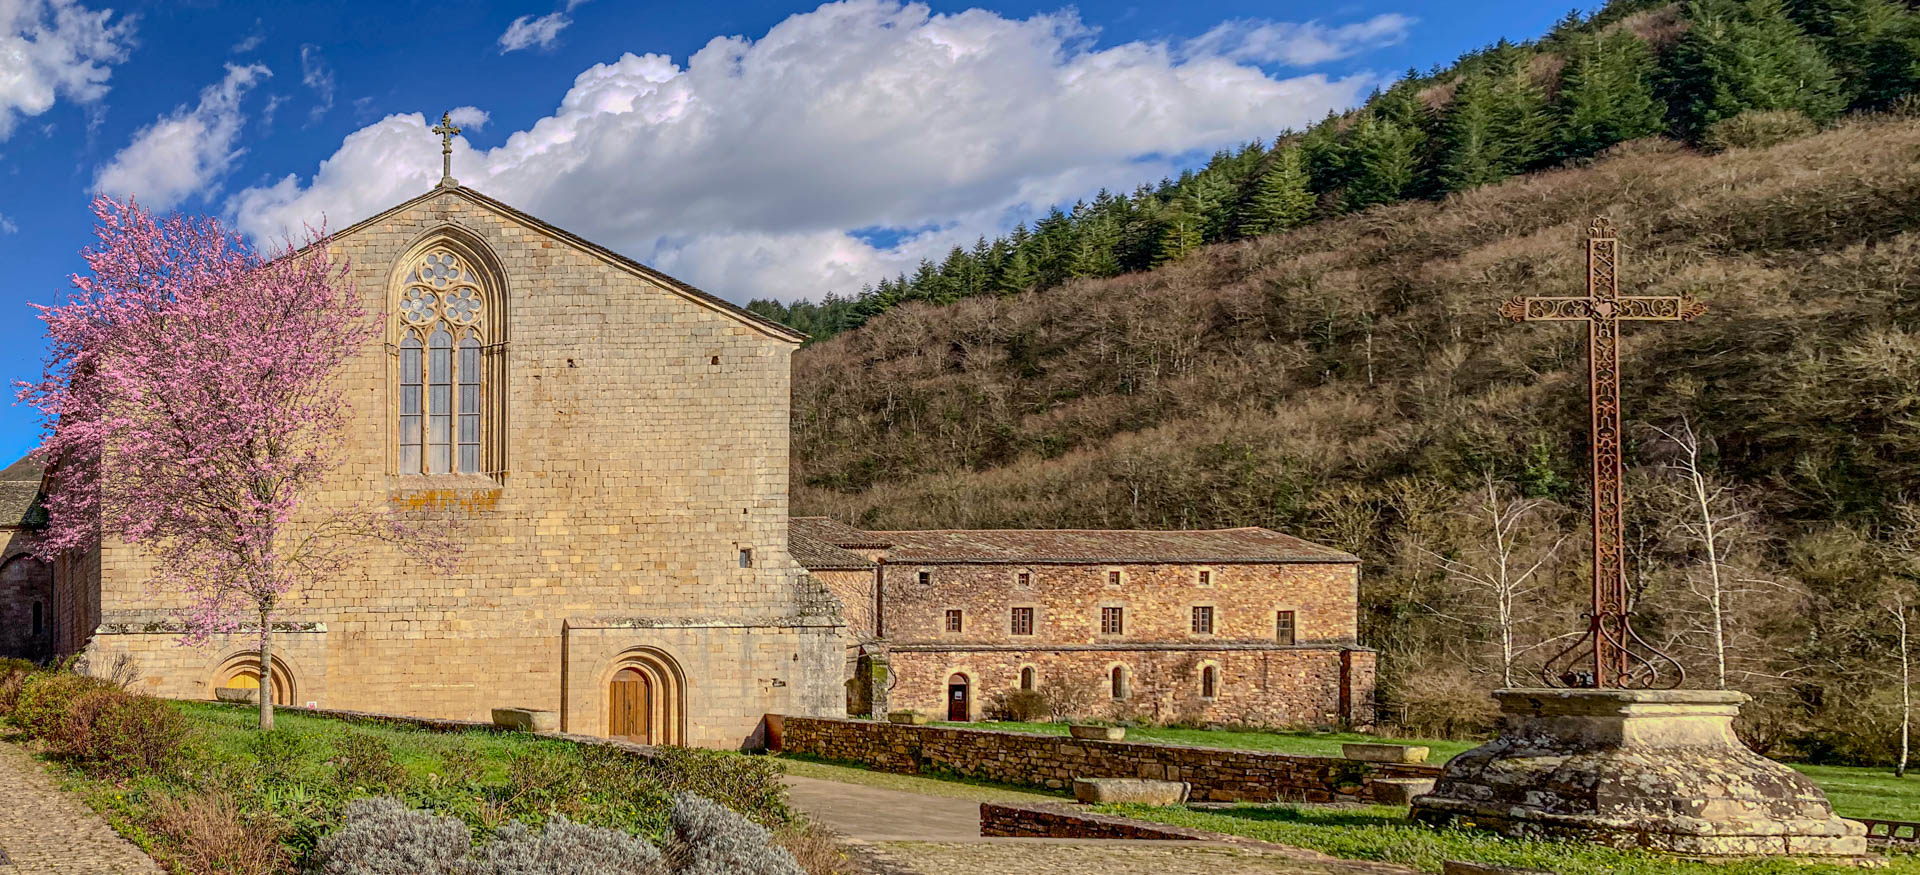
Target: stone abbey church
(616, 443)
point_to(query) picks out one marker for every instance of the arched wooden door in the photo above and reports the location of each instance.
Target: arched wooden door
(959, 708)
(632, 701)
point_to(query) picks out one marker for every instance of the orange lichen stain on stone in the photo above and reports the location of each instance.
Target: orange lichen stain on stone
(470, 500)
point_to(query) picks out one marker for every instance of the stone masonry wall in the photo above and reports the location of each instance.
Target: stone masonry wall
(26, 599)
(646, 438)
(1157, 600)
(1272, 687)
(1053, 761)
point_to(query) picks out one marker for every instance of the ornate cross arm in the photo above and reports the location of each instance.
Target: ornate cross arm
(1634, 309)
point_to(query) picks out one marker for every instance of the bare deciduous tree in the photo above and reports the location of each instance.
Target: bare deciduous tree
(1503, 565)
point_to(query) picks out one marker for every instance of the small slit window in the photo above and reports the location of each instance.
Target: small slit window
(746, 557)
(1209, 681)
(1026, 678)
(1113, 578)
(1119, 679)
(36, 619)
(1206, 577)
(926, 577)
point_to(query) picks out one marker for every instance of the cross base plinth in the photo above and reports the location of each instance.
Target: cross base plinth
(1656, 770)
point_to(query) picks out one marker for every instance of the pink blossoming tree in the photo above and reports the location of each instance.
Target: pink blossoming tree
(191, 405)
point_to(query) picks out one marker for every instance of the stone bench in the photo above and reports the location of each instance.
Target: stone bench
(1144, 791)
(1398, 754)
(526, 719)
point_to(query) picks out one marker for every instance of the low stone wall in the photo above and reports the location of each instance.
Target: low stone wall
(1061, 822)
(1053, 761)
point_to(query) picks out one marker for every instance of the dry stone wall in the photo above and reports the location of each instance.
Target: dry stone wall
(1053, 761)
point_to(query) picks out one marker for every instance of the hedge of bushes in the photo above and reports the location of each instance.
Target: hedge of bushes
(200, 788)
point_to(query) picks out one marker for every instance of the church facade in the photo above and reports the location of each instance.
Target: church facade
(613, 447)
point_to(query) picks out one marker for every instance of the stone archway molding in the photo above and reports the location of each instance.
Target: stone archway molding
(668, 707)
(283, 681)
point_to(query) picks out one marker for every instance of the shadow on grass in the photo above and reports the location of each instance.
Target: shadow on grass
(1311, 816)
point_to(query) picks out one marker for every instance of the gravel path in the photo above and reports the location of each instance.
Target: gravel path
(44, 831)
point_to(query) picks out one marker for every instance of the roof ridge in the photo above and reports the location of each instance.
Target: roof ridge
(674, 284)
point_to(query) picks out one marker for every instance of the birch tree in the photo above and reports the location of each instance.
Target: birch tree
(1501, 565)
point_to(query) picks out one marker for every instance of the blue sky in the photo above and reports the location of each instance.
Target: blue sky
(753, 148)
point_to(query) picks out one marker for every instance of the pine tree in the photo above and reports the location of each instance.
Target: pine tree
(1209, 200)
(1179, 234)
(1740, 55)
(1281, 200)
(1875, 47)
(1469, 154)
(1606, 95)
(1385, 161)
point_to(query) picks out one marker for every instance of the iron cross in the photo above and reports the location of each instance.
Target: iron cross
(446, 129)
(1620, 657)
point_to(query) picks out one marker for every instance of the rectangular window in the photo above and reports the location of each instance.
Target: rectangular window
(1025, 579)
(1283, 627)
(1113, 621)
(953, 621)
(410, 396)
(1203, 620)
(1023, 621)
(469, 406)
(926, 577)
(1206, 577)
(746, 557)
(1113, 578)
(36, 619)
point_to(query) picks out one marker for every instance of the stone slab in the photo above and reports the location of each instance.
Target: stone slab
(1400, 791)
(527, 719)
(911, 718)
(1097, 733)
(1143, 791)
(1373, 752)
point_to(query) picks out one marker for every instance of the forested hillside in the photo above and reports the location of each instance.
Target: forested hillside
(1710, 72)
(1350, 381)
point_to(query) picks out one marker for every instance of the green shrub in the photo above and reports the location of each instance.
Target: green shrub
(749, 785)
(46, 697)
(14, 674)
(120, 733)
(364, 761)
(1757, 129)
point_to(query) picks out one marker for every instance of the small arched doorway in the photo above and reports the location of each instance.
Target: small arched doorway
(959, 706)
(631, 698)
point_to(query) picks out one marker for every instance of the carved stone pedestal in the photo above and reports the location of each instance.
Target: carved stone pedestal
(1658, 770)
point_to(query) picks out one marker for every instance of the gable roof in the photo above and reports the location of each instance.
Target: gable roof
(685, 290)
(1107, 547)
(837, 533)
(20, 494)
(814, 554)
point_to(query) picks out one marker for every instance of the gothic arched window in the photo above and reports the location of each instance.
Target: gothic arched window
(445, 329)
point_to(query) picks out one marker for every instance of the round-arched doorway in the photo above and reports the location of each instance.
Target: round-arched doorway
(646, 698)
(959, 699)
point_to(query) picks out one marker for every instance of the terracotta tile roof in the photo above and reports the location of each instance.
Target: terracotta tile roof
(1100, 547)
(814, 554)
(20, 494)
(837, 533)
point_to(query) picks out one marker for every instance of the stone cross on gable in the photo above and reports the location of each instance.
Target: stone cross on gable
(447, 130)
(1619, 657)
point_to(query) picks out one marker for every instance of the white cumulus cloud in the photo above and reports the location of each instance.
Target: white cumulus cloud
(749, 168)
(528, 31)
(1298, 44)
(54, 48)
(186, 151)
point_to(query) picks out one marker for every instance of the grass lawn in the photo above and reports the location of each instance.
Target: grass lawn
(1325, 744)
(1855, 791)
(1386, 835)
(952, 787)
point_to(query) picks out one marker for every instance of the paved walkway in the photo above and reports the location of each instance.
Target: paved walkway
(917, 834)
(44, 831)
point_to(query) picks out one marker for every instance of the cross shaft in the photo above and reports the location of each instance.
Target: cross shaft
(1610, 635)
(447, 131)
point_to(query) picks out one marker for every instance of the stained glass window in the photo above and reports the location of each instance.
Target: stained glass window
(442, 380)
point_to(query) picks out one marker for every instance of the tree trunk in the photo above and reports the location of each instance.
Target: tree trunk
(265, 697)
(1906, 688)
